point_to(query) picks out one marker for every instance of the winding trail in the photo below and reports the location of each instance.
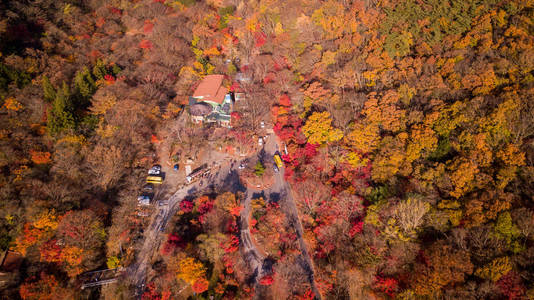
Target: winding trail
(282, 190)
(226, 178)
(251, 254)
(295, 220)
(152, 238)
(137, 272)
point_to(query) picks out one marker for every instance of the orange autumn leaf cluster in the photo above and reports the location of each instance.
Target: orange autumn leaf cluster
(12, 104)
(37, 231)
(47, 287)
(40, 157)
(190, 270)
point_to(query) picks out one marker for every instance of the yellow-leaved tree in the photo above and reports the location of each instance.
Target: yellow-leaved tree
(190, 270)
(318, 129)
(364, 138)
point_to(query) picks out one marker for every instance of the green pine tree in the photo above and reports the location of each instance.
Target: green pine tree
(60, 116)
(10, 75)
(100, 70)
(84, 83)
(259, 169)
(48, 90)
(116, 69)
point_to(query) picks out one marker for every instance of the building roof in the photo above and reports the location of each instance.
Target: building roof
(211, 89)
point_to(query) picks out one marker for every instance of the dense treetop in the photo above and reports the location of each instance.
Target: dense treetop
(408, 123)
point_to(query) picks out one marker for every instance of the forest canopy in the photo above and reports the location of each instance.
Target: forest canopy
(405, 127)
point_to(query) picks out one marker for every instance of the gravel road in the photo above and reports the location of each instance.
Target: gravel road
(226, 178)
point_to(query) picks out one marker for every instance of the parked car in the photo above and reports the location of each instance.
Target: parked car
(155, 170)
(149, 187)
(260, 141)
(262, 124)
(242, 166)
(143, 200)
(275, 168)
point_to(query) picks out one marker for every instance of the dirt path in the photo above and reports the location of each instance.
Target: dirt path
(281, 188)
(152, 238)
(293, 216)
(227, 179)
(251, 254)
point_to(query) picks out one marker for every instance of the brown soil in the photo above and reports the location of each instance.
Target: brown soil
(253, 182)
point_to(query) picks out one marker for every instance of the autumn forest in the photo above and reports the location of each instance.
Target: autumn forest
(367, 149)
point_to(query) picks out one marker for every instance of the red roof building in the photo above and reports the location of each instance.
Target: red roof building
(211, 102)
(211, 89)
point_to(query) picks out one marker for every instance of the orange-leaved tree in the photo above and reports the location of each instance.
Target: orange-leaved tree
(40, 157)
(46, 287)
(37, 231)
(190, 270)
(443, 265)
